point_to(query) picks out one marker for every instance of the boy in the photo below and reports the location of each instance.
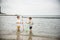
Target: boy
(30, 23)
(18, 23)
(30, 27)
(22, 24)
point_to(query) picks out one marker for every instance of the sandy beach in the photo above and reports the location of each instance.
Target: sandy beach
(14, 37)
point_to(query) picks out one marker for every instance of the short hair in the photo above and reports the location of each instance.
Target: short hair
(30, 18)
(18, 17)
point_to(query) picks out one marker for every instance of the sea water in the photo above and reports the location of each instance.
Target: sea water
(40, 25)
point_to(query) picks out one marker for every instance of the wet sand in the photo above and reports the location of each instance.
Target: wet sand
(14, 37)
(19, 36)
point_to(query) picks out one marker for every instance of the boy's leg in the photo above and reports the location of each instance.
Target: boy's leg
(30, 33)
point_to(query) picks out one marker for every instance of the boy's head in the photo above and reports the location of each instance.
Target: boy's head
(30, 18)
(18, 17)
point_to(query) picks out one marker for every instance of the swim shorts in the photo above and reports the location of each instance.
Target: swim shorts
(30, 27)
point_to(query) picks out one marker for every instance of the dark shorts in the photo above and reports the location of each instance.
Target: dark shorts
(30, 27)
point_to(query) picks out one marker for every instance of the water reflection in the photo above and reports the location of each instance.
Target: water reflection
(18, 35)
(30, 35)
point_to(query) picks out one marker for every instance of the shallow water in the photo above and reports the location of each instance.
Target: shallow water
(41, 26)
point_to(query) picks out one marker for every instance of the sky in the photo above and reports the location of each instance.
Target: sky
(31, 7)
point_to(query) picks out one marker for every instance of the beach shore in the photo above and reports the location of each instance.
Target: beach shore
(17, 36)
(14, 37)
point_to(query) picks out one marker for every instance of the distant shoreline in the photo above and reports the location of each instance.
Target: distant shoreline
(38, 16)
(34, 16)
